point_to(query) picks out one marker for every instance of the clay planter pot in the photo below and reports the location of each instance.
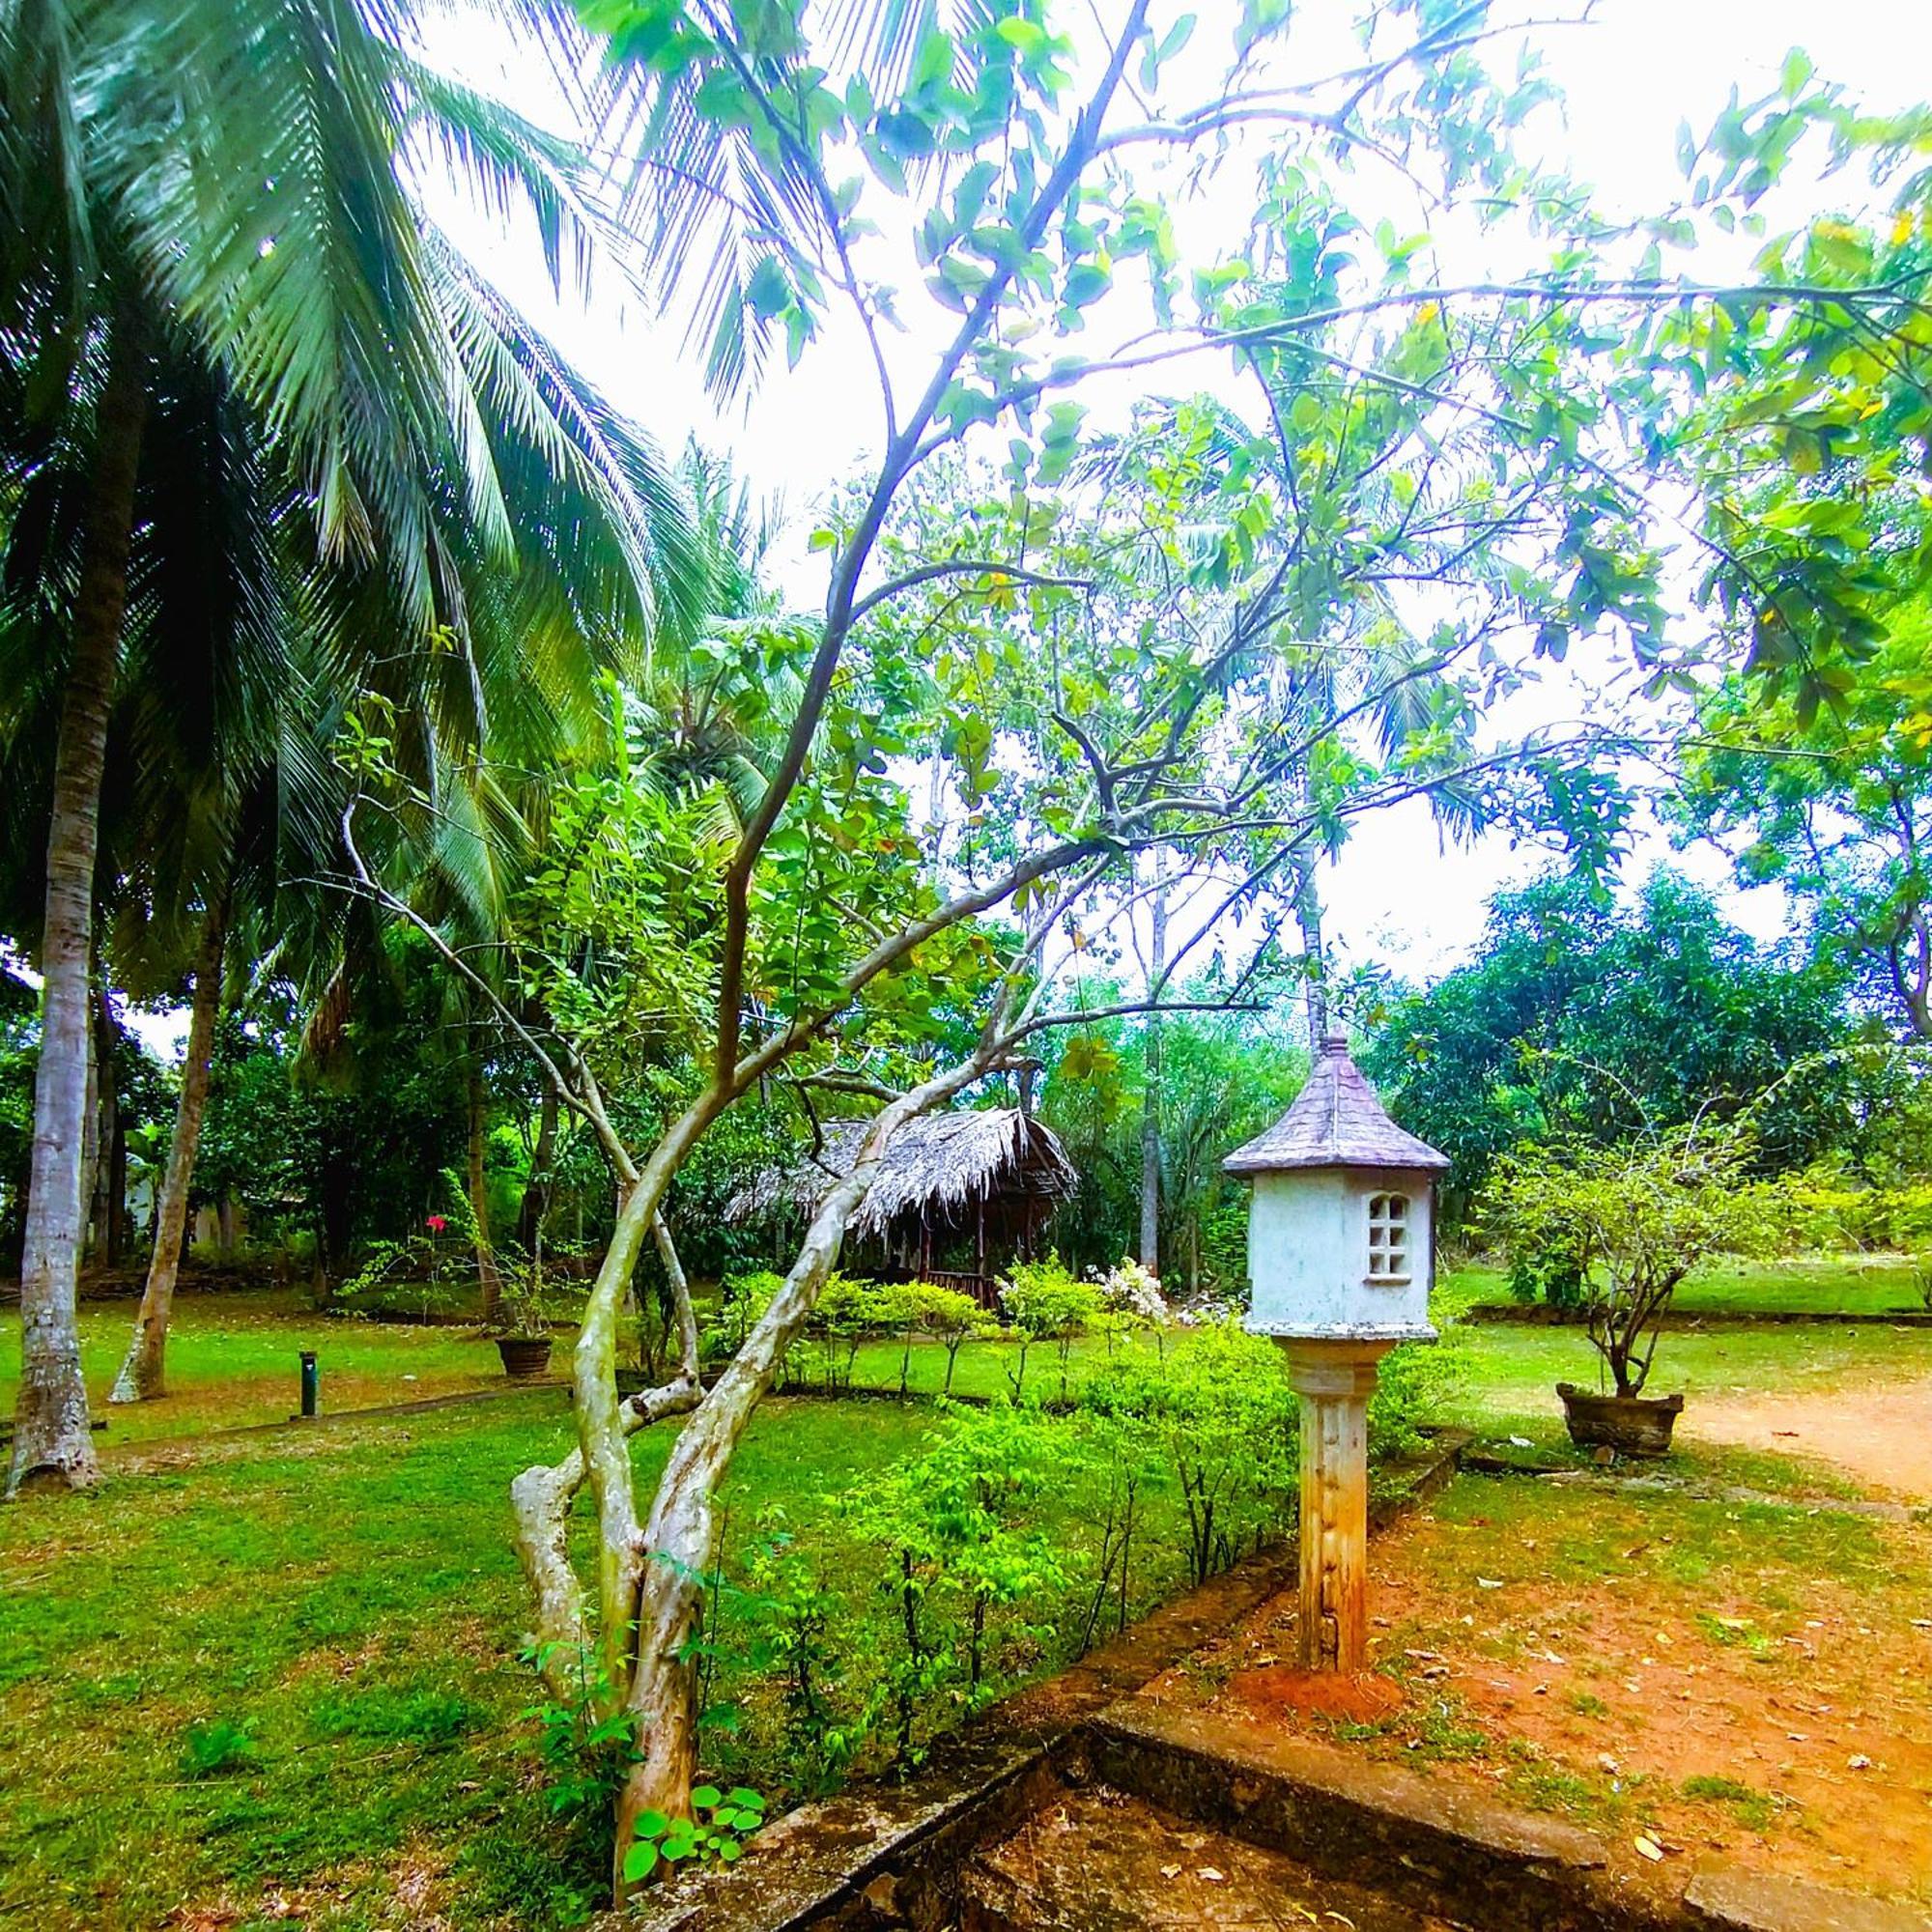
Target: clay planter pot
(1633, 1424)
(524, 1356)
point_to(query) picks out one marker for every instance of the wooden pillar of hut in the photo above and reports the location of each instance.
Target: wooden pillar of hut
(980, 1247)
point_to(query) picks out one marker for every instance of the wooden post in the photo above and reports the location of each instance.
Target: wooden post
(1334, 1379)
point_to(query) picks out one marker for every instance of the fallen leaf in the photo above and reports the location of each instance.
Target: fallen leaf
(1857, 1761)
(1650, 1848)
(1170, 1872)
(1489, 1582)
(1209, 1873)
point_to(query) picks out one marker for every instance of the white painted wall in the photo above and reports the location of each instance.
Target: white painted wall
(1308, 1255)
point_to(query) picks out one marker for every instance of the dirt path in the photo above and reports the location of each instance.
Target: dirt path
(1881, 1436)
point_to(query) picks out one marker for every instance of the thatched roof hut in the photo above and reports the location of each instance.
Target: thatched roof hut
(964, 1189)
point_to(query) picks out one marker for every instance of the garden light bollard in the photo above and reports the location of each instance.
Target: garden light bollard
(311, 1386)
(1342, 1256)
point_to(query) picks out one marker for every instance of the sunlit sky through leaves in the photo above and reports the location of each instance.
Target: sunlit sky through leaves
(1630, 79)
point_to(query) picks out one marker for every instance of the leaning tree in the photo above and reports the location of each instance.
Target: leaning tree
(1090, 680)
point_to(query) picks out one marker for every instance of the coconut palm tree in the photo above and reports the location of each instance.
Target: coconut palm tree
(217, 274)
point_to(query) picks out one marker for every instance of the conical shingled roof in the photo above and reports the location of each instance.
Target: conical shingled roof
(1336, 1121)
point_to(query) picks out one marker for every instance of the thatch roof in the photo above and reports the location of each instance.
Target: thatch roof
(1336, 1121)
(936, 1162)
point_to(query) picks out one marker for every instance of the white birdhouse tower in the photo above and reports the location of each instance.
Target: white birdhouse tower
(1341, 1255)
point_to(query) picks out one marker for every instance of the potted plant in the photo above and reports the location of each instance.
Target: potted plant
(520, 1325)
(1626, 1224)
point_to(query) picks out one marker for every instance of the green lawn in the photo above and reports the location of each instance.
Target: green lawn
(280, 1679)
(1828, 1284)
(283, 1677)
(232, 1359)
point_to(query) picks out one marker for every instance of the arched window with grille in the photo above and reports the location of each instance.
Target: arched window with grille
(1388, 1237)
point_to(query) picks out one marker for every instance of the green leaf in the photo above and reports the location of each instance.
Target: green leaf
(652, 1825)
(640, 1861)
(707, 1797)
(768, 292)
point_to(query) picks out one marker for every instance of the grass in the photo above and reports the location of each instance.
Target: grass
(233, 1360)
(1816, 1285)
(281, 1677)
(275, 1676)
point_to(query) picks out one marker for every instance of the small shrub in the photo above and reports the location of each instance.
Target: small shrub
(1413, 1382)
(742, 1300)
(793, 1615)
(587, 1754)
(1045, 1303)
(962, 1558)
(847, 1312)
(218, 1748)
(953, 1319)
(1216, 1408)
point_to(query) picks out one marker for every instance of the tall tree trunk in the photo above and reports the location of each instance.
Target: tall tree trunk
(538, 1192)
(488, 1278)
(143, 1374)
(51, 1433)
(1308, 917)
(110, 1157)
(1150, 1102)
(89, 1136)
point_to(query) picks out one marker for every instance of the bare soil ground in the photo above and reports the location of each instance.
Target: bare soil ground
(1703, 1675)
(1881, 1437)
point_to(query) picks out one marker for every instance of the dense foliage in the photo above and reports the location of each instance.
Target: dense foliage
(1586, 1016)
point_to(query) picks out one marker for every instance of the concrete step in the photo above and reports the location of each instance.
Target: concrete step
(1098, 1860)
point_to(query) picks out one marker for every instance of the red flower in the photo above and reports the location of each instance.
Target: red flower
(435, 1224)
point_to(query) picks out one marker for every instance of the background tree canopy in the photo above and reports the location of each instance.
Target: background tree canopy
(1582, 1014)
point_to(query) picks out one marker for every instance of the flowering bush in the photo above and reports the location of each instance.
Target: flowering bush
(1130, 1289)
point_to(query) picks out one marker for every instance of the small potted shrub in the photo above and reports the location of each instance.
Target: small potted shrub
(521, 1328)
(1623, 1226)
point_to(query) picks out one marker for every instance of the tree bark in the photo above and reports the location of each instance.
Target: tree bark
(144, 1373)
(680, 1535)
(51, 1433)
(538, 1192)
(488, 1281)
(1150, 1101)
(90, 1138)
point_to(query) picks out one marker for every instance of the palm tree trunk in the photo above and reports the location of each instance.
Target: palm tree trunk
(51, 1433)
(143, 1374)
(111, 1149)
(489, 1280)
